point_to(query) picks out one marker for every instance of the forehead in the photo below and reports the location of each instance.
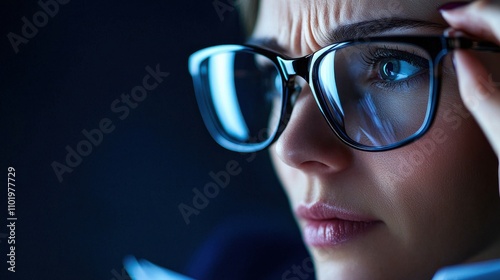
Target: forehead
(303, 26)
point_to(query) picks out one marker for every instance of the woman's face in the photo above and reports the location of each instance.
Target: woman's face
(387, 215)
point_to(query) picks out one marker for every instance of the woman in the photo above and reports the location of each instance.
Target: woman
(402, 177)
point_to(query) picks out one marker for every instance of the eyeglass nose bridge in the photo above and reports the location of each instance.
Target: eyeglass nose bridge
(295, 67)
(291, 68)
(300, 67)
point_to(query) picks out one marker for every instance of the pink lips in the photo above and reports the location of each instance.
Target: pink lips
(328, 225)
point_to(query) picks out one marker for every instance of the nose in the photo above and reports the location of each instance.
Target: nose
(308, 143)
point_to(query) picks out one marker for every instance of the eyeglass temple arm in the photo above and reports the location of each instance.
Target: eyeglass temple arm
(467, 43)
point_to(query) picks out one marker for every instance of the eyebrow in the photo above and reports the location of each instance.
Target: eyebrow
(358, 30)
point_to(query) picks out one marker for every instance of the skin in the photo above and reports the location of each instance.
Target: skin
(441, 210)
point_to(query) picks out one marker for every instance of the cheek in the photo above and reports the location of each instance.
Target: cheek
(440, 185)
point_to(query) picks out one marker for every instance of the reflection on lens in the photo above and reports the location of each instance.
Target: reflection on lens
(378, 94)
(245, 95)
(224, 96)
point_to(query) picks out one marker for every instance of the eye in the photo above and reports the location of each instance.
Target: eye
(393, 69)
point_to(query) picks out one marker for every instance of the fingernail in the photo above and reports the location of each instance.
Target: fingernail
(452, 5)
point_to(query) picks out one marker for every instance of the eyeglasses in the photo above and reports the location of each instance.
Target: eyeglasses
(376, 94)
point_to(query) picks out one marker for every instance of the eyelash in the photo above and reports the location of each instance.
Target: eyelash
(374, 57)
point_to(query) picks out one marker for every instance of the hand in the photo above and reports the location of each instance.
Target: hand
(480, 93)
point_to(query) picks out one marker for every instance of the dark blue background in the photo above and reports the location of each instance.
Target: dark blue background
(123, 198)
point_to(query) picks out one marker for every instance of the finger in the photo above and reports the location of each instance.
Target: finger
(481, 95)
(480, 18)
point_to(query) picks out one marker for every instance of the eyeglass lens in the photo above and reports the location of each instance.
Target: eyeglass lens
(245, 95)
(377, 94)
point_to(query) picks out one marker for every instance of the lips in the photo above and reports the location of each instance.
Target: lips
(327, 225)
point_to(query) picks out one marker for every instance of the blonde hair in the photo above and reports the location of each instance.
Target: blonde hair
(248, 12)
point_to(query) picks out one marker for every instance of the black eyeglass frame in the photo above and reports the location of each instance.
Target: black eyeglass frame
(437, 46)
